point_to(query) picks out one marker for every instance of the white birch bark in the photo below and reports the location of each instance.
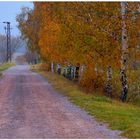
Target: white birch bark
(52, 67)
(124, 55)
(81, 72)
(109, 82)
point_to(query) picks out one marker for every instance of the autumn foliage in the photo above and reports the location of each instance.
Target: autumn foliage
(88, 33)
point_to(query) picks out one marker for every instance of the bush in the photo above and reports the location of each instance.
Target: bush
(45, 67)
(41, 67)
(92, 81)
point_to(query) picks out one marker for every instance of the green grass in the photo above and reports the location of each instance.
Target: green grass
(5, 66)
(119, 116)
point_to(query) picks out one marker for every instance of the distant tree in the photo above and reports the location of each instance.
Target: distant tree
(31, 58)
(16, 42)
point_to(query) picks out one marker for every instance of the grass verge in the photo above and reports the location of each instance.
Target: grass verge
(119, 116)
(5, 66)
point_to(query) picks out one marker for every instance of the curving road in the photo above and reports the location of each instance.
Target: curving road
(30, 108)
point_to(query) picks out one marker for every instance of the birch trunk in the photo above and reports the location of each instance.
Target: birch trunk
(52, 67)
(81, 72)
(124, 58)
(109, 82)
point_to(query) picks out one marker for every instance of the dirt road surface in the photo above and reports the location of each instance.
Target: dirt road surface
(30, 108)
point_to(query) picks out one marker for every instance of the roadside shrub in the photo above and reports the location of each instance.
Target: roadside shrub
(92, 81)
(41, 67)
(45, 67)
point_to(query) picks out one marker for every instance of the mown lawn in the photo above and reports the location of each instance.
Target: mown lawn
(119, 116)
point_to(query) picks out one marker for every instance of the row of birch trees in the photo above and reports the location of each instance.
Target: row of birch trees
(102, 38)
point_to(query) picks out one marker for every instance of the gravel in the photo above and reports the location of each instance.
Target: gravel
(31, 108)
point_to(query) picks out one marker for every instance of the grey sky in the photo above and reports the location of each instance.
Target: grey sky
(8, 12)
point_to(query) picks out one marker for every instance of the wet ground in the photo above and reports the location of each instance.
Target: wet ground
(30, 108)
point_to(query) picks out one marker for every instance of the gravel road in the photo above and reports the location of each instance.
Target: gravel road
(30, 108)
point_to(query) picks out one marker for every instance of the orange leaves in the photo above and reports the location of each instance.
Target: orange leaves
(87, 32)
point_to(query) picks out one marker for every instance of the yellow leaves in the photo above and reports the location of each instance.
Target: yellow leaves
(83, 32)
(89, 33)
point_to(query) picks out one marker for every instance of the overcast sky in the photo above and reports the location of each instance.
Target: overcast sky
(8, 12)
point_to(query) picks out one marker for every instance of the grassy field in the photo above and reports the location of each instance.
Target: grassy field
(119, 116)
